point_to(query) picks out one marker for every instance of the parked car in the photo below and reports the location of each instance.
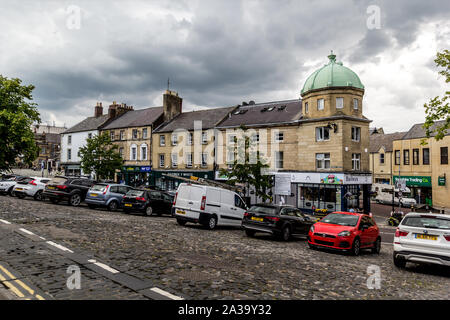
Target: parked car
(348, 231)
(209, 206)
(109, 195)
(30, 187)
(161, 202)
(282, 221)
(8, 183)
(384, 194)
(422, 238)
(137, 200)
(71, 189)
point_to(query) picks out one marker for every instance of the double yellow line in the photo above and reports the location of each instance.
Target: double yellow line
(18, 289)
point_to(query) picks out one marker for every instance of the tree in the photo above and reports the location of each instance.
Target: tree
(438, 108)
(17, 114)
(100, 156)
(247, 172)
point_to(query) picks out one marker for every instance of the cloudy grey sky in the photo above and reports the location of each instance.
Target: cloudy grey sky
(220, 53)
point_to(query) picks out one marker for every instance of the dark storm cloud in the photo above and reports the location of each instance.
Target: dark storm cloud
(216, 53)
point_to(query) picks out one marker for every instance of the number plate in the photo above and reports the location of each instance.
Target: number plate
(425, 237)
(19, 189)
(128, 205)
(257, 219)
(51, 188)
(94, 194)
(181, 212)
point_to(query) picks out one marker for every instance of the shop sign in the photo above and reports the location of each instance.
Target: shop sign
(415, 181)
(283, 184)
(146, 169)
(357, 179)
(441, 180)
(331, 178)
(305, 177)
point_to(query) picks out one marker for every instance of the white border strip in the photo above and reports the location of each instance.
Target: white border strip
(104, 266)
(60, 247)
(27, 231)
(166, 294)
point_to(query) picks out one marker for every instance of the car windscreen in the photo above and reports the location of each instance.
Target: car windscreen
(58, 180)
(426, 222)
(341, 219)
(24, 180)
(263, 210)
(99, 187)
(135, 193)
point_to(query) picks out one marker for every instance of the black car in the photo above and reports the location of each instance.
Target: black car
(148, 202)
(282, 221)
(67, 188)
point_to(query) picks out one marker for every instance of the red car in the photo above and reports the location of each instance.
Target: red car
(347, 231)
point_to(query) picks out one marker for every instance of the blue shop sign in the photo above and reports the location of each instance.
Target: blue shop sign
(146, 169)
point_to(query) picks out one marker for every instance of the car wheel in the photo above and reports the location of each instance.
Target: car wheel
(249, 233)
(148, 211)
(377, 246)
(181, 222)
(112, 206)
(286, 234)
(212, 223)
(38, 196)
(399, 262)
(75, 200)
(356, 247)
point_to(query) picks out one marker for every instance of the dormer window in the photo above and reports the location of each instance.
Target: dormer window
(320, 104)
(355, 104)
(339, 103)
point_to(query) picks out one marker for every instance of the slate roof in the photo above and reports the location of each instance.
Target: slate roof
(276, 112)
(417, 131)
(88, 124)
(185, 120)
(136, 118)
(379, 140)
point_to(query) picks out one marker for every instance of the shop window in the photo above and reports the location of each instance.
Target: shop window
(162, 140)
(339, 103)
(426, 155)
(406, 157)
(381, 158)
(444, 155)
(320, 104)
(322, 160)
(397, 157)
(356, 161)
(322, 134)
(356, 134)
(279, 160)
(415, 156)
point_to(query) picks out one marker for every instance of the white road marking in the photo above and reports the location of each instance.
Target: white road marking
(5, 222)
(27, 231)
(166, 294)
(104, 266)
(60, 247)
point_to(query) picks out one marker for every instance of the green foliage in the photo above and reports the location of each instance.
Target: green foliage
(17, 114)
(101, 156)
(438, 108)
(248, 170)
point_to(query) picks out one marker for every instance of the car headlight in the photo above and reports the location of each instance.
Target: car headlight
(344, 233)
(312, 229)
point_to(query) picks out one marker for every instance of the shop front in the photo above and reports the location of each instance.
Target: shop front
(328, 192)
(72, 169)
(420, 186)
(135, 175)
(162, 182)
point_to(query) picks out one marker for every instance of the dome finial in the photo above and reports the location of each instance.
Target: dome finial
(332, 57)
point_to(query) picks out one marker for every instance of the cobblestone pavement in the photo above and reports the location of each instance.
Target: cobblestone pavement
(196, 263)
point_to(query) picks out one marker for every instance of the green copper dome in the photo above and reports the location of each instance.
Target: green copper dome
(333, 74)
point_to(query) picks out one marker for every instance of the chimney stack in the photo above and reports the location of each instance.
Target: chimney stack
(172, 105)
(98, 110)
(112, 111)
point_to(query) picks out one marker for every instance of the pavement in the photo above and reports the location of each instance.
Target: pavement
(118, 256)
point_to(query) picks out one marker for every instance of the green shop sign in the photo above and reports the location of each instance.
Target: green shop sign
(441, 180)
(415, 181)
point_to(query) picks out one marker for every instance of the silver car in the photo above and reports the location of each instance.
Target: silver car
(106, 195)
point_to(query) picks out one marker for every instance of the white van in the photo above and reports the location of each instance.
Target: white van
(384, 195)
(209, 206)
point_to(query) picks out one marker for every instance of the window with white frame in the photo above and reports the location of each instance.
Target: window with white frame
(113, 135)
(161, 160)
(355, 104)
(322, 160)
(320, 104)
(133, 152)
(255, 138)
(232, 139)
(144, 152)
(279, 160)
(204, 159)
(122, 134)
(69, 139)
(144, 133)
(356, 161)
(174, 139)
(356, 134)
(339, 103)
(89, 135)
(189, 160)
(279, 136)
(174, 160)
(135, 133)
(322, 134)
(189, 138)
(162, 140)
(204, 137)
(381, 158)
(230, 157)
